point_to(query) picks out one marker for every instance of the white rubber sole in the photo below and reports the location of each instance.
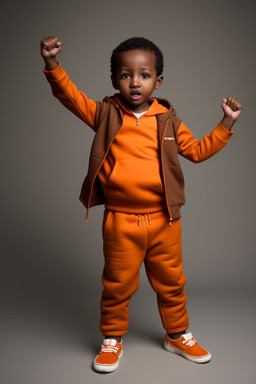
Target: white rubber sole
(195, 359)
(106, 367)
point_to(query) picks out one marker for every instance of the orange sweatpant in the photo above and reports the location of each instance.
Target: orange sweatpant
(128, 241)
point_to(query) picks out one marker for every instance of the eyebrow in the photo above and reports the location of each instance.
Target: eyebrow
(128, 69)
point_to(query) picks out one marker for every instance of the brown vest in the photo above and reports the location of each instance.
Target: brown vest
(108, 121)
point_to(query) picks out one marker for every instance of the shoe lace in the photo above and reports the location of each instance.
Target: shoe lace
(189, 341)
(108, 348)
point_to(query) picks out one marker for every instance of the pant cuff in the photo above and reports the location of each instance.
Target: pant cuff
(114, 333)
(176, 330)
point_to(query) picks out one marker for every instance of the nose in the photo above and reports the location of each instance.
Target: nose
(134, 82)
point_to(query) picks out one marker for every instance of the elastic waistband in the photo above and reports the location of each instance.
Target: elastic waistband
(148, 218)
(135, 208)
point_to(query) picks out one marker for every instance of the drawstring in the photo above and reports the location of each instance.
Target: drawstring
(139, 221)
(149, 220)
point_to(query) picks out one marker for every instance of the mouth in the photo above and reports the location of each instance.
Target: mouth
(135, 95)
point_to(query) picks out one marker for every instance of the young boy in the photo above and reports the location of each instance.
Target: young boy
(134, 170)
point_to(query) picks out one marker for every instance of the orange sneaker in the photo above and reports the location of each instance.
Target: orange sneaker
(187, 347)
(108, 358)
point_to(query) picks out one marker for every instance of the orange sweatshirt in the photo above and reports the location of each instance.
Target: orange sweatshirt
(130, 174)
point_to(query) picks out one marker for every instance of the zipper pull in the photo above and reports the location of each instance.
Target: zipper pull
(137, 123)
(170, 222)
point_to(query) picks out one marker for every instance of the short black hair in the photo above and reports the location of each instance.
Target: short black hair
(137, 43)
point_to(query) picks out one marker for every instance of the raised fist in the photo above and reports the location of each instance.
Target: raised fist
(231, 107)
(50, 47)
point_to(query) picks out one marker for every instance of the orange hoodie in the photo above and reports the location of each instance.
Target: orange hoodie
(130, 174)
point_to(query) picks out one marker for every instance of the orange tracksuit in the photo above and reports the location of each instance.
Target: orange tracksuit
(129, 172)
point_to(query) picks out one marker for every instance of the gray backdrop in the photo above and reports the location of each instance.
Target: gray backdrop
(51, 261)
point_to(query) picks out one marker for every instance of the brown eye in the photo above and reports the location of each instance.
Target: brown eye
(124, 76)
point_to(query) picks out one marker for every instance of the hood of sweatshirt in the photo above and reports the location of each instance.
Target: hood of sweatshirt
(156, 106)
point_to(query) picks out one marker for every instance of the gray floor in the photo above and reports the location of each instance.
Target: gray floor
(50, 341)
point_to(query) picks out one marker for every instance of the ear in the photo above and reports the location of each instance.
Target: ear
(159, 81)
(114, 82)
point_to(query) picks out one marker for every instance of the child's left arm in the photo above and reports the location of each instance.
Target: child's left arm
(232, 109)
(200, 150)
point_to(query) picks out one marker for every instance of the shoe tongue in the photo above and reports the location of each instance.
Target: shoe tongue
(187, 336)
(109, 342)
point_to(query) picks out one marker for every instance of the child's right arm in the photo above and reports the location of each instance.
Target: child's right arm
(62, 88)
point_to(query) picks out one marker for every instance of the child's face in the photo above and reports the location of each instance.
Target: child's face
(136, 78)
